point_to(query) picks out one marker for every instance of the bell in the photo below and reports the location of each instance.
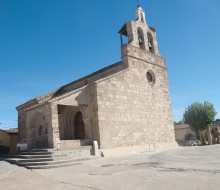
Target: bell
(141, 40)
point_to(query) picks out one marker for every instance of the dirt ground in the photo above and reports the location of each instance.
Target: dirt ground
(183, 168)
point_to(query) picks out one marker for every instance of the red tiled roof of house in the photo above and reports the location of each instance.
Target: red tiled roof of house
(182, 126)
(10, 131)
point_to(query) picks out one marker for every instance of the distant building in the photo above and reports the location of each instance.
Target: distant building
(181, 131)
(215, 134)
(9, 138)
(124, 104)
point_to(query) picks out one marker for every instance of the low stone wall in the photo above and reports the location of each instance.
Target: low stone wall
(129, 150)
(66, 144)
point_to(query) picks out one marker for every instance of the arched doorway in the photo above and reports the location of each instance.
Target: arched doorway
(79, 126)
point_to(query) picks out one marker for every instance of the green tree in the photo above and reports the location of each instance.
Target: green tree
(199, 116)
(217, 122)
(190, 136)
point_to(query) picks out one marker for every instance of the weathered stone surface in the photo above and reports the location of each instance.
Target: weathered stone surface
(124, 104)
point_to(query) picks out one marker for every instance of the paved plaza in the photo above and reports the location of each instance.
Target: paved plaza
(183, 168)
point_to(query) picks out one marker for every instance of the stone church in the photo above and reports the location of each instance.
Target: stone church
(122, 105)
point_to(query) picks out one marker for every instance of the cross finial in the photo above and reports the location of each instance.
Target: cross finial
(138, 3)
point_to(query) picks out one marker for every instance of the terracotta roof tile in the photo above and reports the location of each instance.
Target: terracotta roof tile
(182, 126)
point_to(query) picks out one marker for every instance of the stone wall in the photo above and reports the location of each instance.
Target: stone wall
(132, 111)
(22, 132)
(122, 109)
(181, 133)
(57, 116)
(40, 116)
(84, 101)
(9, 140)
(92, 111)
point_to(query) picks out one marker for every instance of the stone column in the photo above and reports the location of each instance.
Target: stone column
(95, 147)
(87, 128)
(53, 134)
(209, 135)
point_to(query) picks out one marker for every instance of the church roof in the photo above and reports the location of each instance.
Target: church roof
(123, 30)
(73, 86)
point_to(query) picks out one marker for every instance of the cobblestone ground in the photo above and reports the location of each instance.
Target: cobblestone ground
(183, 168)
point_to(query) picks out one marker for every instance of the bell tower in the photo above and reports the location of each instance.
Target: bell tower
(147, 77)
(139, 34)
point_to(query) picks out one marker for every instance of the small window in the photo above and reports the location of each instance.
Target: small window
(142, 17)
(151, 77)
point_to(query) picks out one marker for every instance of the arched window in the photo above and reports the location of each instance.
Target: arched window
(141, 38)
(150, 42)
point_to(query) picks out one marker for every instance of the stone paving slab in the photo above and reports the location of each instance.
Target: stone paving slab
(183, 168)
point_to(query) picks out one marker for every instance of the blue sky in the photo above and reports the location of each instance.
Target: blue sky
(45, 44)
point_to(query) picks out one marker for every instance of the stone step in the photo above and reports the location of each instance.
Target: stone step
(64, 153)
(29, 152)
(39, 160)
(48, 158)
(49, 152)
(17, 160)
(52, 158)
(53, 162)
(43, 150)
(35, 153)
(35, 156)
(76, 161)
(51, 166)
(55, 156)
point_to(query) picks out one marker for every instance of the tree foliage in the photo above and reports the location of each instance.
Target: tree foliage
(217, 122)
(199, 116)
